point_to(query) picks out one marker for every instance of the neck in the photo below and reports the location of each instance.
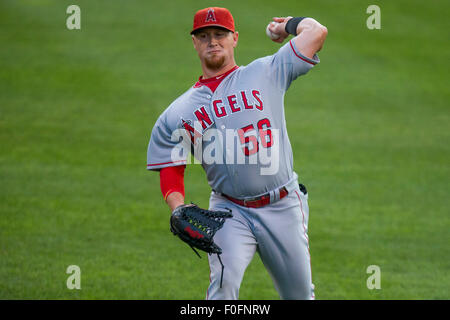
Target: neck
(209, 73)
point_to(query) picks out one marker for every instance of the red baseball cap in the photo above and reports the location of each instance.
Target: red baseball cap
(213, 17)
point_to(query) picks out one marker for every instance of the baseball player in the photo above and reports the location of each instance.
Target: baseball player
(238, 112)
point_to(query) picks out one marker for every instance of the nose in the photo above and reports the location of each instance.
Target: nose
(213, 41)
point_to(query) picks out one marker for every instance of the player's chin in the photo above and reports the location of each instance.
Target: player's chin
(215, 61)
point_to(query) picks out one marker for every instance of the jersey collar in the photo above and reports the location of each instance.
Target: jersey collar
(213, 83)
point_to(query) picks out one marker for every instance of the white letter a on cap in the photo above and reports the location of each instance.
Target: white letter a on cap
(210, 16)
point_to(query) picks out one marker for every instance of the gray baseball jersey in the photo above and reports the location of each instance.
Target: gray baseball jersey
(238, 117)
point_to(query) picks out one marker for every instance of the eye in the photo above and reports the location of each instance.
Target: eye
(201, 35)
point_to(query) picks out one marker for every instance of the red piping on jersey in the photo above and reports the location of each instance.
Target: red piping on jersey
(213, 82)
(162, 163)
(290, 42)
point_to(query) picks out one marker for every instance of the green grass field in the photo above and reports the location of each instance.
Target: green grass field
(369, 128)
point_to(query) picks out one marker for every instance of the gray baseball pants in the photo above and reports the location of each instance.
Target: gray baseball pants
(278, 232)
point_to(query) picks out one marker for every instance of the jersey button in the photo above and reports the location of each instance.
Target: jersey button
(208, 96)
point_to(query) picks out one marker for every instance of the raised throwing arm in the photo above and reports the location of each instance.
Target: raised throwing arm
(309, 38)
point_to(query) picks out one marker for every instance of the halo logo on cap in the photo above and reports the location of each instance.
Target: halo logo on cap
(210, 16)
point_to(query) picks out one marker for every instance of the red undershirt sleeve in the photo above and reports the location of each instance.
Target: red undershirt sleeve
(171, 179)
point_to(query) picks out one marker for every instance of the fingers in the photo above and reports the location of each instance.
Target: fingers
(272, 27)
(277, 27)
(279, 40)
(281, 19)
(277, 19)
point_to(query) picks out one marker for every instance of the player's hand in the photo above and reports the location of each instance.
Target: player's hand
(279, 28)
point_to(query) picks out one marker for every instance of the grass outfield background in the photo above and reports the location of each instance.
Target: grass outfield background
(369, 127)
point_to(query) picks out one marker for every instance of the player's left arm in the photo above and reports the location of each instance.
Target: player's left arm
(310, 34)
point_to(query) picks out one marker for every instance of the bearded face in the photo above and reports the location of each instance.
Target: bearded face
(215, 47)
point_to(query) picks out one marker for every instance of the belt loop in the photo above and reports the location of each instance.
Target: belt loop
(277, 194)
(274, 195)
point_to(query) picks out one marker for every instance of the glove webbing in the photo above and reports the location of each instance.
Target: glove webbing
(208, 228)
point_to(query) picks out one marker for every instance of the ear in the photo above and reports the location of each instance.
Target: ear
(235, 39)
(195, 42)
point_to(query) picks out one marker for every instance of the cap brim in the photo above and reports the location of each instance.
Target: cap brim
(211, 25)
